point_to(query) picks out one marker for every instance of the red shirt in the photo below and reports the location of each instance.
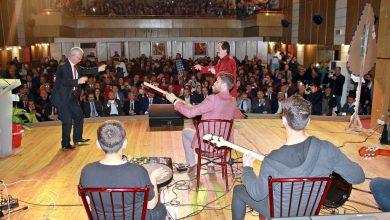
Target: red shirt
(228, 65)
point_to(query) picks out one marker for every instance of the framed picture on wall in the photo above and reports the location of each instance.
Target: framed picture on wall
(158, 49)
(200, 49)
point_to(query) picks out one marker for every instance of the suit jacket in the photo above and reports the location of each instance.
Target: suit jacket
(273, 101)
(246, 107)
(45, 107)
(62, 91)
(87, 109)
(144, 102)
(107, 107)
(22, 105)
(216, 106)
(260, 109)
(349, 109)
(192, 99)
(126, 107)
(316, 102)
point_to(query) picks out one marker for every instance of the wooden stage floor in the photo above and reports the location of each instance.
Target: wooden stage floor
(46, 175)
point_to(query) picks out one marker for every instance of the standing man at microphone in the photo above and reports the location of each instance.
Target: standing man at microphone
(226, 64)
(65, 96)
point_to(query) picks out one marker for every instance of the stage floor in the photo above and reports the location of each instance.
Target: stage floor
(45, 174)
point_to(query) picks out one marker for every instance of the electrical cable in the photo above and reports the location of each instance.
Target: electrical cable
(360, 142)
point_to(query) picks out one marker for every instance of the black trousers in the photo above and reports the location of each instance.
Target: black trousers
(71, 114)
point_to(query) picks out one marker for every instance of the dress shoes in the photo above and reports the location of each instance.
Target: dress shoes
(81, 142)
(69, 147)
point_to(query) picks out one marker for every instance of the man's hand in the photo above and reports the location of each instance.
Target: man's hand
(212, 70)
(102, 68)
(82, 80)
(198, 67)
(158, 174)
(247, 160)
(171, 97)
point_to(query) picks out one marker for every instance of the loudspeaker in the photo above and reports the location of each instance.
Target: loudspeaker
(317, 19)
(164, 115)
(285, 23)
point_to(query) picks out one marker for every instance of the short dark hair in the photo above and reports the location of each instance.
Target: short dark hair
(225, 46)
(297, 111)
(111, 136)
(228, 79)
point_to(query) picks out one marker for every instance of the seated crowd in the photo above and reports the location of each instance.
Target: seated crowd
(119, 90)
(215, 8)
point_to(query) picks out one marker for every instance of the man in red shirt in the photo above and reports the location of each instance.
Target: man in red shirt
(226, 63)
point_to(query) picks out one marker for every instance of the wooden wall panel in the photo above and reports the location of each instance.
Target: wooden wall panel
(8, 34)
(354, 9)
(286, 7)
(381, 102)
(311, 33)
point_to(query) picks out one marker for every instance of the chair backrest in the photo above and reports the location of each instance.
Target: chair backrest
(115, 203)
(293, 197)
(218, 127)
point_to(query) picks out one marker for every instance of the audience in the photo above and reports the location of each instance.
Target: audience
(262, 87)
(204, 8)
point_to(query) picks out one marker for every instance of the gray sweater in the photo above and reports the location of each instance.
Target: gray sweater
(311, 158)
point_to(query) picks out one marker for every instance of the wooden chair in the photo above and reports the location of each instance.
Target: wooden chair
(208, 151)
(103, 203)
(312, 192)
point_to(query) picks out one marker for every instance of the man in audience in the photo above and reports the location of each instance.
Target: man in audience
(314, 95)
(112, 107)
(336, 82)
(301, 156)
(220, 105)
(112, 171)
(328, 102)
(118, 94)
(244, 103)
(260, 105)
(272, 99)
(120, 67)
(349, 107)
(91, 107)
(45, 105)
(131, 106)
(187, 96)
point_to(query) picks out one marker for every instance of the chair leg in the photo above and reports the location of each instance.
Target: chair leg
(198, 167)
(224, 172)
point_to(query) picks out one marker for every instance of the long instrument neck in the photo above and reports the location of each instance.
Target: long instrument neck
(243, 150)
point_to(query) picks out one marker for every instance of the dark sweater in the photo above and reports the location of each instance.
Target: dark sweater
(311, 158)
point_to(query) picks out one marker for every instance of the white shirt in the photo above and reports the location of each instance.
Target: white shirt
(122, 65)
(188, 100)
(114, 110)
(72, 67)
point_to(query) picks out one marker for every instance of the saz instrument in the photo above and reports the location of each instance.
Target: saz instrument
(371, 152)
(338, 193)
(220, 142)
(164, 92)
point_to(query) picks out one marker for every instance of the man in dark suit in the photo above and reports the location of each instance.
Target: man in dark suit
(188, 97)
(260, 105)
(272, 99)
(91, 107)
(65, 96)
(131, 106)
(112, 107)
